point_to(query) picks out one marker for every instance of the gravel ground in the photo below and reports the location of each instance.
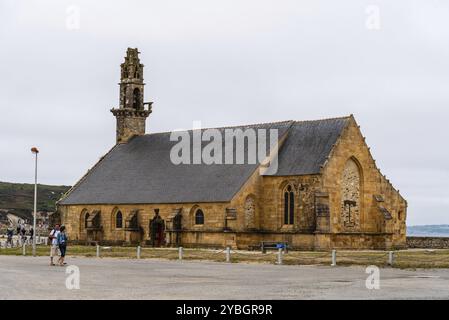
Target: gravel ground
(112, 278)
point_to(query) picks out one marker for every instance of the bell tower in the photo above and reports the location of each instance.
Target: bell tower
(132, 112)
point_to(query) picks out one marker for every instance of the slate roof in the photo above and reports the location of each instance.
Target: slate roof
(141, 172)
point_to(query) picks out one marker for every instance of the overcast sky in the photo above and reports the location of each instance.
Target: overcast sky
(228, 63)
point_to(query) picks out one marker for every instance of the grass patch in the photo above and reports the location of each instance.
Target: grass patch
(402, 259)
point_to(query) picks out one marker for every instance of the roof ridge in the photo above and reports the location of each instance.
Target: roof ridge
(228, 127)
(257, 124)
(325, 119)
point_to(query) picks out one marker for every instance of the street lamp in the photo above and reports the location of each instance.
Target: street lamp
(35, 152)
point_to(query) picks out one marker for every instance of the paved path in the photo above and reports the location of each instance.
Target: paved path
(109, 278)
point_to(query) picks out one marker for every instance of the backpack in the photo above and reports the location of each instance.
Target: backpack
(51, 236)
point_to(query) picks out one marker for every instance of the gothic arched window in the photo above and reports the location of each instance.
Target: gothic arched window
(289, 205)
(351, 194)
(119, 220)
(86, 217)
(83, 219)
(136, 99)
(199, 217)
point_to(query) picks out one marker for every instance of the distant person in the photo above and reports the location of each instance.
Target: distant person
(23, 235)
(31, 233)
(62, 243)
(53, 236)
(9, 234)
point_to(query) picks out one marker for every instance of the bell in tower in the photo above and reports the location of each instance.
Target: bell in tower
(132, 112)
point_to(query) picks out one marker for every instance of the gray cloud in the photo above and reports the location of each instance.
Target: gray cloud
(226, 63)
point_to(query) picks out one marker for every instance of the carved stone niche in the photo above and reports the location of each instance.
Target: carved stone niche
(174, 227)
(174, 220)
(93, 222)
(133, 231)
(322, 212)
(94, 228)
(132, 221)
(230, 218)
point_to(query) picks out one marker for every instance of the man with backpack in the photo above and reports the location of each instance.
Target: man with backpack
(53, 236)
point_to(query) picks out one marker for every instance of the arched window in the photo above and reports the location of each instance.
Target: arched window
(199, 217)
(136, 98)
(351, 194)
(83, 220)
(289, 205)
(119, 220)
(86, 217)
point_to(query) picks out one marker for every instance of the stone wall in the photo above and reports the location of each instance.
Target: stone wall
(73, 219)
(428, 242)
(376, 191)
(129, 125)
(349, 180)
(304, 189)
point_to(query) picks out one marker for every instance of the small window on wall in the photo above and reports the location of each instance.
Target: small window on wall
(119, 220)
(400, 215)
(199, 217)
(289, 205)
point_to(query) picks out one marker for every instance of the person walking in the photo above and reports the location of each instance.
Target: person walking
(23, 237)
(62, 243)
(31, 232)
(54, 243)
(10, 233)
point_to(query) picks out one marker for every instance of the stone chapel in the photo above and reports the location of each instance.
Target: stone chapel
(327, 192)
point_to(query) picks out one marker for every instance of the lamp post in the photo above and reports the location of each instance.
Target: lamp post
(35, 152)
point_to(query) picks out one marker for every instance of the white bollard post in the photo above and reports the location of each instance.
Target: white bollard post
(280, 256)
(138, 252)
(228, 254)
(24, 250)
(391, 258)
(180, 253)
(46, 241)
(98, 251)
(334, 258)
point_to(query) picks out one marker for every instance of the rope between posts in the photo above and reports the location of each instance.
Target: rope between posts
(202, 254)
(159, 253)
(303, 256)
(251, 254)
(429, 259)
